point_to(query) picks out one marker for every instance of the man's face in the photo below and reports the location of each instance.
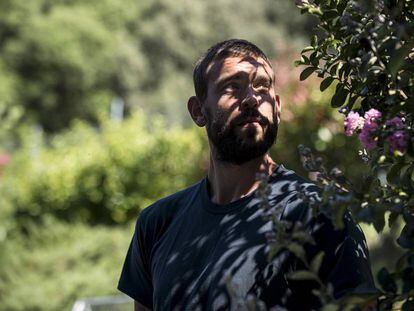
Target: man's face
(241, 108)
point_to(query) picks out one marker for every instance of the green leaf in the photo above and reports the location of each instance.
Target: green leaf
(405, 174)
(376, 69)
(372, 60)
(302, 61)
(386, 281)
(314, 59)
(326, 83)
(274, 250)
(303, 275)
(316, 262)
(297, 250)
(341, 6)
(314, 41)
(307, 49)
(406, 238)
(379, 221)
(344, 71)
(339, 98)
(329, 14)
(393, 175)
(352, 100)
(307, 72)
(315, 11)
(398, 58)
(334, 69)
(297, 63)
(303, 237)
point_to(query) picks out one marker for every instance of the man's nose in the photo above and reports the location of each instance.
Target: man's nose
(250, 101)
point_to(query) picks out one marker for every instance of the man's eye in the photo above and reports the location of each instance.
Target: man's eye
(231, 87)
(265, 86)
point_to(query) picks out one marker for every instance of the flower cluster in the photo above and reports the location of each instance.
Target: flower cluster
(399, 138)
(367, 136)
(352, 123)
(367, 129)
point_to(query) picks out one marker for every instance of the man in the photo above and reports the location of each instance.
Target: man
(205, 247)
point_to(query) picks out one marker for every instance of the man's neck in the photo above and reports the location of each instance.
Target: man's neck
(229, 182)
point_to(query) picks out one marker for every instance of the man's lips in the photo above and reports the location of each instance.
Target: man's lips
(250, 120)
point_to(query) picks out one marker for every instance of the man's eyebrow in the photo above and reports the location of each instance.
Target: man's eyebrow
(264, 77)
(235, 76)
(270, 75)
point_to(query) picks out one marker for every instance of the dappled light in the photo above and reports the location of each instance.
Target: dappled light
(94, 130)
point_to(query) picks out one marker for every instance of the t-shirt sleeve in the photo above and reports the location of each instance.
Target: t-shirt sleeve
(135, 280)
(347, 263)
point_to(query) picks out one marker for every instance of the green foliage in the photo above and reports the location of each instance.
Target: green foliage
(367, 48)
(51, 266)
(311, 120)
(69, 59)
(64, 56)
(62, 80)
(9, 112)
(64, 60)
(172, 51)
(104, 176)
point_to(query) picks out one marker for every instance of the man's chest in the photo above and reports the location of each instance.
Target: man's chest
(198, 259)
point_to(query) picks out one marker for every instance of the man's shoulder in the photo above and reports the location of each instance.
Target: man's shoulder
(295, 192)
(288, 181)
(165, 208)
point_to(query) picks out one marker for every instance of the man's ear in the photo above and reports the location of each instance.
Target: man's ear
(278, 108)
(195, 109)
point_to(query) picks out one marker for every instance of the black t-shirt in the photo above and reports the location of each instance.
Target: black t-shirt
(187, 251)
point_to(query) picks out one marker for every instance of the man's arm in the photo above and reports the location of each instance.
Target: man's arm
(140, 307)
(345, 264)
(135, 280)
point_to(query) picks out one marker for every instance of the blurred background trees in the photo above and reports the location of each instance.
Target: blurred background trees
(66, 60)
(94, 127)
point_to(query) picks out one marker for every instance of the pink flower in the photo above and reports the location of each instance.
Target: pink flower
(367, 135)
(398, 141)
(372, 114)
(353, 122)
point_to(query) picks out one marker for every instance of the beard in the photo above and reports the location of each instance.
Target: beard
(238, 148)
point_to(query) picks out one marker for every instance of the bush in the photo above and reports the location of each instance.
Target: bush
(53, 265)
(366, 48)
(102, 177)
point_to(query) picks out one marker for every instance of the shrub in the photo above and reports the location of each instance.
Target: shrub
(366, 48)
(101, 176)
(51, 266)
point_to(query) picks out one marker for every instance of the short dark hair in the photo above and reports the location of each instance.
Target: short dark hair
(232, 47)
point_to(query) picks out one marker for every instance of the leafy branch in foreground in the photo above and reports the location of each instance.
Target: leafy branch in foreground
(365, 50)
